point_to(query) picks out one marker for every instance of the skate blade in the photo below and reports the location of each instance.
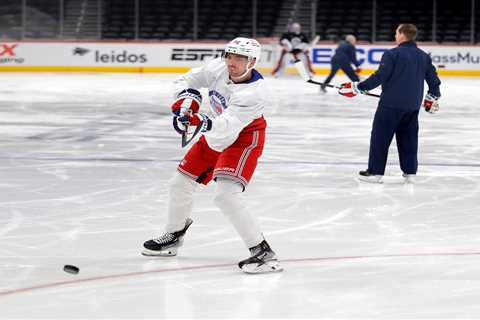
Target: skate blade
(267, 267)
(164, 253)
(409, 180)
(370, 180)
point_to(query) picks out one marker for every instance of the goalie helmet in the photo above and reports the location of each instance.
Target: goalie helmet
(245, 47)
(295, 28)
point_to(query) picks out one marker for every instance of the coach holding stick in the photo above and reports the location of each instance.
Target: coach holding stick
(401, 73)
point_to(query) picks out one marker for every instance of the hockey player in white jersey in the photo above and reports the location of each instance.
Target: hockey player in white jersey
(227, 152)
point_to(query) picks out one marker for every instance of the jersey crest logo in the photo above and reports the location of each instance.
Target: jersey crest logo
(217, 102)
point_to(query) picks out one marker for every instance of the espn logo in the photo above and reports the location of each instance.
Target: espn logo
(195, 54)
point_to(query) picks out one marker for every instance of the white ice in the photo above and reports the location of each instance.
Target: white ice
(84, 165)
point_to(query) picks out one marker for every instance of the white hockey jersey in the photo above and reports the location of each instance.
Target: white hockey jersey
(233, 106)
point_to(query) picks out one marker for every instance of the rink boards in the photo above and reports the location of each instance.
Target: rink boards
(180, 57)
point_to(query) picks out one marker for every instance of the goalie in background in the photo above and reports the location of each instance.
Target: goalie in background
(297, 44)
(227, 152)
(345, 55)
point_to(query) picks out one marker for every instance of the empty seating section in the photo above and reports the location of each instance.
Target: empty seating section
(10, 19)
(43, 19)
(225, 19)
(217, 19)
(41, 16)
(453, 24)
(336, 18)
(118, 19)
(477, 24)
(163, 19)
(339, 17)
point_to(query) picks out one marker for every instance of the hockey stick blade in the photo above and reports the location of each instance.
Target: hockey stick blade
(186, 140)
(304, 74)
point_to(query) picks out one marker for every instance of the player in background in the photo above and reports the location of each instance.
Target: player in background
(345, 55)
(401, 74)
(297, 44)
(227, 152)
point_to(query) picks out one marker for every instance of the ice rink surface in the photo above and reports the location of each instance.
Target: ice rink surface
(84, 164)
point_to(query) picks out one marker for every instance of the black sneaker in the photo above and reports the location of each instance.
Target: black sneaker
(368, 177)
(263, 260)
(167, 244)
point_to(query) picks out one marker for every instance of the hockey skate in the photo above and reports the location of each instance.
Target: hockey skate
(409, 178)
(263, 260)
(167, 244)
(368, 177)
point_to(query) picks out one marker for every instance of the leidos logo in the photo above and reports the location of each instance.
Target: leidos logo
(112, 57)
(7, 54)
(122, 57)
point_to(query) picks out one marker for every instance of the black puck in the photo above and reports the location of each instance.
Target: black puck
(70, 269)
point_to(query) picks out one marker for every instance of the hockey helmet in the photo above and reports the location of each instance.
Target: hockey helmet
(245, 47)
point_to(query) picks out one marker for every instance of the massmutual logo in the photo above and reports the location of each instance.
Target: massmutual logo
(456, 58)
(111, 56)
(8, 54)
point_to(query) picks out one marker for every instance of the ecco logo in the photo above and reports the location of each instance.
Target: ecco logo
(194, 54)
(372, 56)
(7, 50)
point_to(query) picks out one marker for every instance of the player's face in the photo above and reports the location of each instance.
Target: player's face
(236, 64)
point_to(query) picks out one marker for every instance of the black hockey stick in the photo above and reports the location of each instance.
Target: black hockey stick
(304, 74)
(185, 135)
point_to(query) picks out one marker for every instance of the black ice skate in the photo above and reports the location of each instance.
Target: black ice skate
(369, 177)
(263, 260)
(167, 244)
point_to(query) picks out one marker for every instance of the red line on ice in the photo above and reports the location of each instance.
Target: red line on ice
(213, 266)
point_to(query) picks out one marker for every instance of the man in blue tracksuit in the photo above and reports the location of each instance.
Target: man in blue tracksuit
(401, 73)
(345, 55)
